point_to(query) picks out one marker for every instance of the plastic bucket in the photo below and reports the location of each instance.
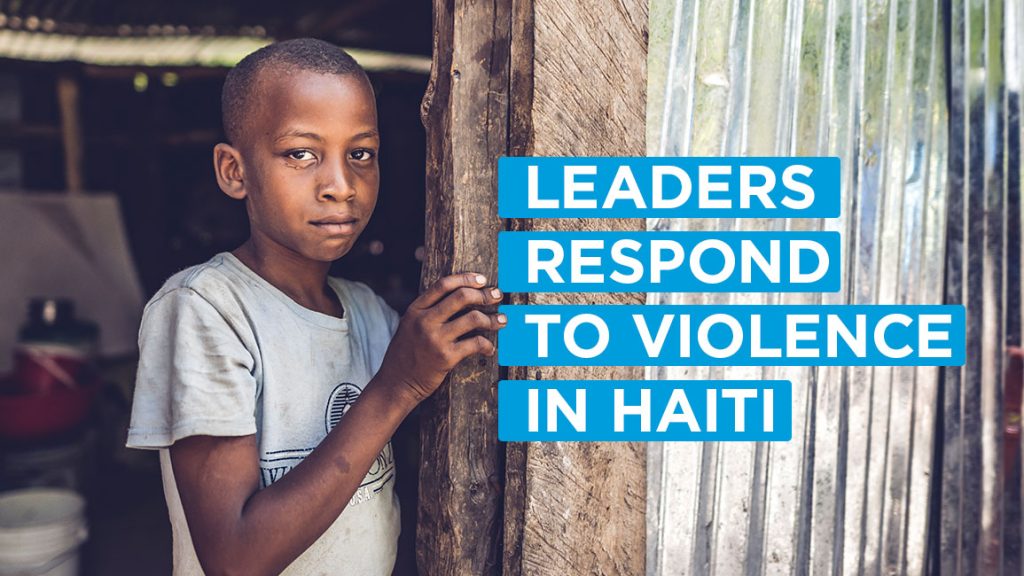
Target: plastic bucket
(40, 532)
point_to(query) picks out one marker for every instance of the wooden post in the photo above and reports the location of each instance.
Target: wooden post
(536, 77)
(71, 132)
(578, 89)
(465, 111)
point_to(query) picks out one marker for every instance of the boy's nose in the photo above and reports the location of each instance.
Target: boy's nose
(335, 184)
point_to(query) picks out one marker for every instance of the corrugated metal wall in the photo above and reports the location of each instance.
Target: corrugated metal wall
(980, 489)
(919, 99)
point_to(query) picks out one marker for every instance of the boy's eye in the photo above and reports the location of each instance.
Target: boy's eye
(299, 155)
(362, 154)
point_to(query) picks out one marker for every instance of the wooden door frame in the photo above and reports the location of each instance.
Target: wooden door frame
(524, 77)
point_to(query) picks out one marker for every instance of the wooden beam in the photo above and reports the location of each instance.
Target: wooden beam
(578, 89)
(129, 72)
(329, 21)
(539, 77)
(71, 132)
(15, 133)
(465, 111)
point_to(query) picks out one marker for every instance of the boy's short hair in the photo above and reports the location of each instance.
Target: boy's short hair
(300, 54)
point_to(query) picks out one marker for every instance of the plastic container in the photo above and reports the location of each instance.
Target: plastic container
(41, 530)
(68, 462)
(53, 320)
(55, 350)
(37, 416)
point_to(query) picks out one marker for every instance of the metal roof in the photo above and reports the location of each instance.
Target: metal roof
(381, 35)
(170, 51)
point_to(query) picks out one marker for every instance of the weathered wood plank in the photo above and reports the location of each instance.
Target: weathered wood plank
(71, 133)
(465, 111)
(577, 81)
(578, 88)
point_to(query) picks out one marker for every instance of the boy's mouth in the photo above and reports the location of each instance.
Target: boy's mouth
(341, 225)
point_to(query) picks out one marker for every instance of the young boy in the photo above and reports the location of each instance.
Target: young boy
(271, 389)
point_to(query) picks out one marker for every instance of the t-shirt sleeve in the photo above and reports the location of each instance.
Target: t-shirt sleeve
(195, 374)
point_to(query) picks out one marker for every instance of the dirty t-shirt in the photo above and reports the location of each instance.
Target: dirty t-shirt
(225, 353)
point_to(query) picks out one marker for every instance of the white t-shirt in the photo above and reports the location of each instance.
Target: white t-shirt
(225, 353)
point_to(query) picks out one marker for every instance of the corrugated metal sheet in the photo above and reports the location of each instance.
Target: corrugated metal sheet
(980, 529)
(855, 491)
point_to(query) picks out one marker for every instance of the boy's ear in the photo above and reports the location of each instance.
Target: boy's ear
(227, 165)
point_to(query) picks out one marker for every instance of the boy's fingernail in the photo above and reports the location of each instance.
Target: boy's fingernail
(481, 279)
(502, 319)
(495, 293)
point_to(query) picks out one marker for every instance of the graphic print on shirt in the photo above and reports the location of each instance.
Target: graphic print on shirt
(342, 398)
(275, 464)
(382, 470)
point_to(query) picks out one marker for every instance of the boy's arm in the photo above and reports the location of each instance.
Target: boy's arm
(238, 529)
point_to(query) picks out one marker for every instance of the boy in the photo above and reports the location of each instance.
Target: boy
(269, 388)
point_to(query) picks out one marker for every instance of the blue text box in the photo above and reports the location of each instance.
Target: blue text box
(612, 335)
(635, 187)
(644, 410)
(663, 262)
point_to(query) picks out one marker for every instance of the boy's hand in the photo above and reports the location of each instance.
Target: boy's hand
(433, 337)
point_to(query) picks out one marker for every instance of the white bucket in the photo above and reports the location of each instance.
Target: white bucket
(40, 532)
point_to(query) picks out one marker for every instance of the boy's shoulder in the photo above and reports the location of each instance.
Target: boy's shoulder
(212, 280)
(231, 288)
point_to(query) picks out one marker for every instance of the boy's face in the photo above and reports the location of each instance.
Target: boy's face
(308, 160)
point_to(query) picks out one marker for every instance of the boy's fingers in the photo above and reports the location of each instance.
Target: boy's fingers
(435, 293)
(475, 345)
(475, 320)
(463, 297)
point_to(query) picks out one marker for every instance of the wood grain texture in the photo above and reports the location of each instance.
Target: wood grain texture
(71, 132)
(578, 88)
(544, 77)
(465, 111)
